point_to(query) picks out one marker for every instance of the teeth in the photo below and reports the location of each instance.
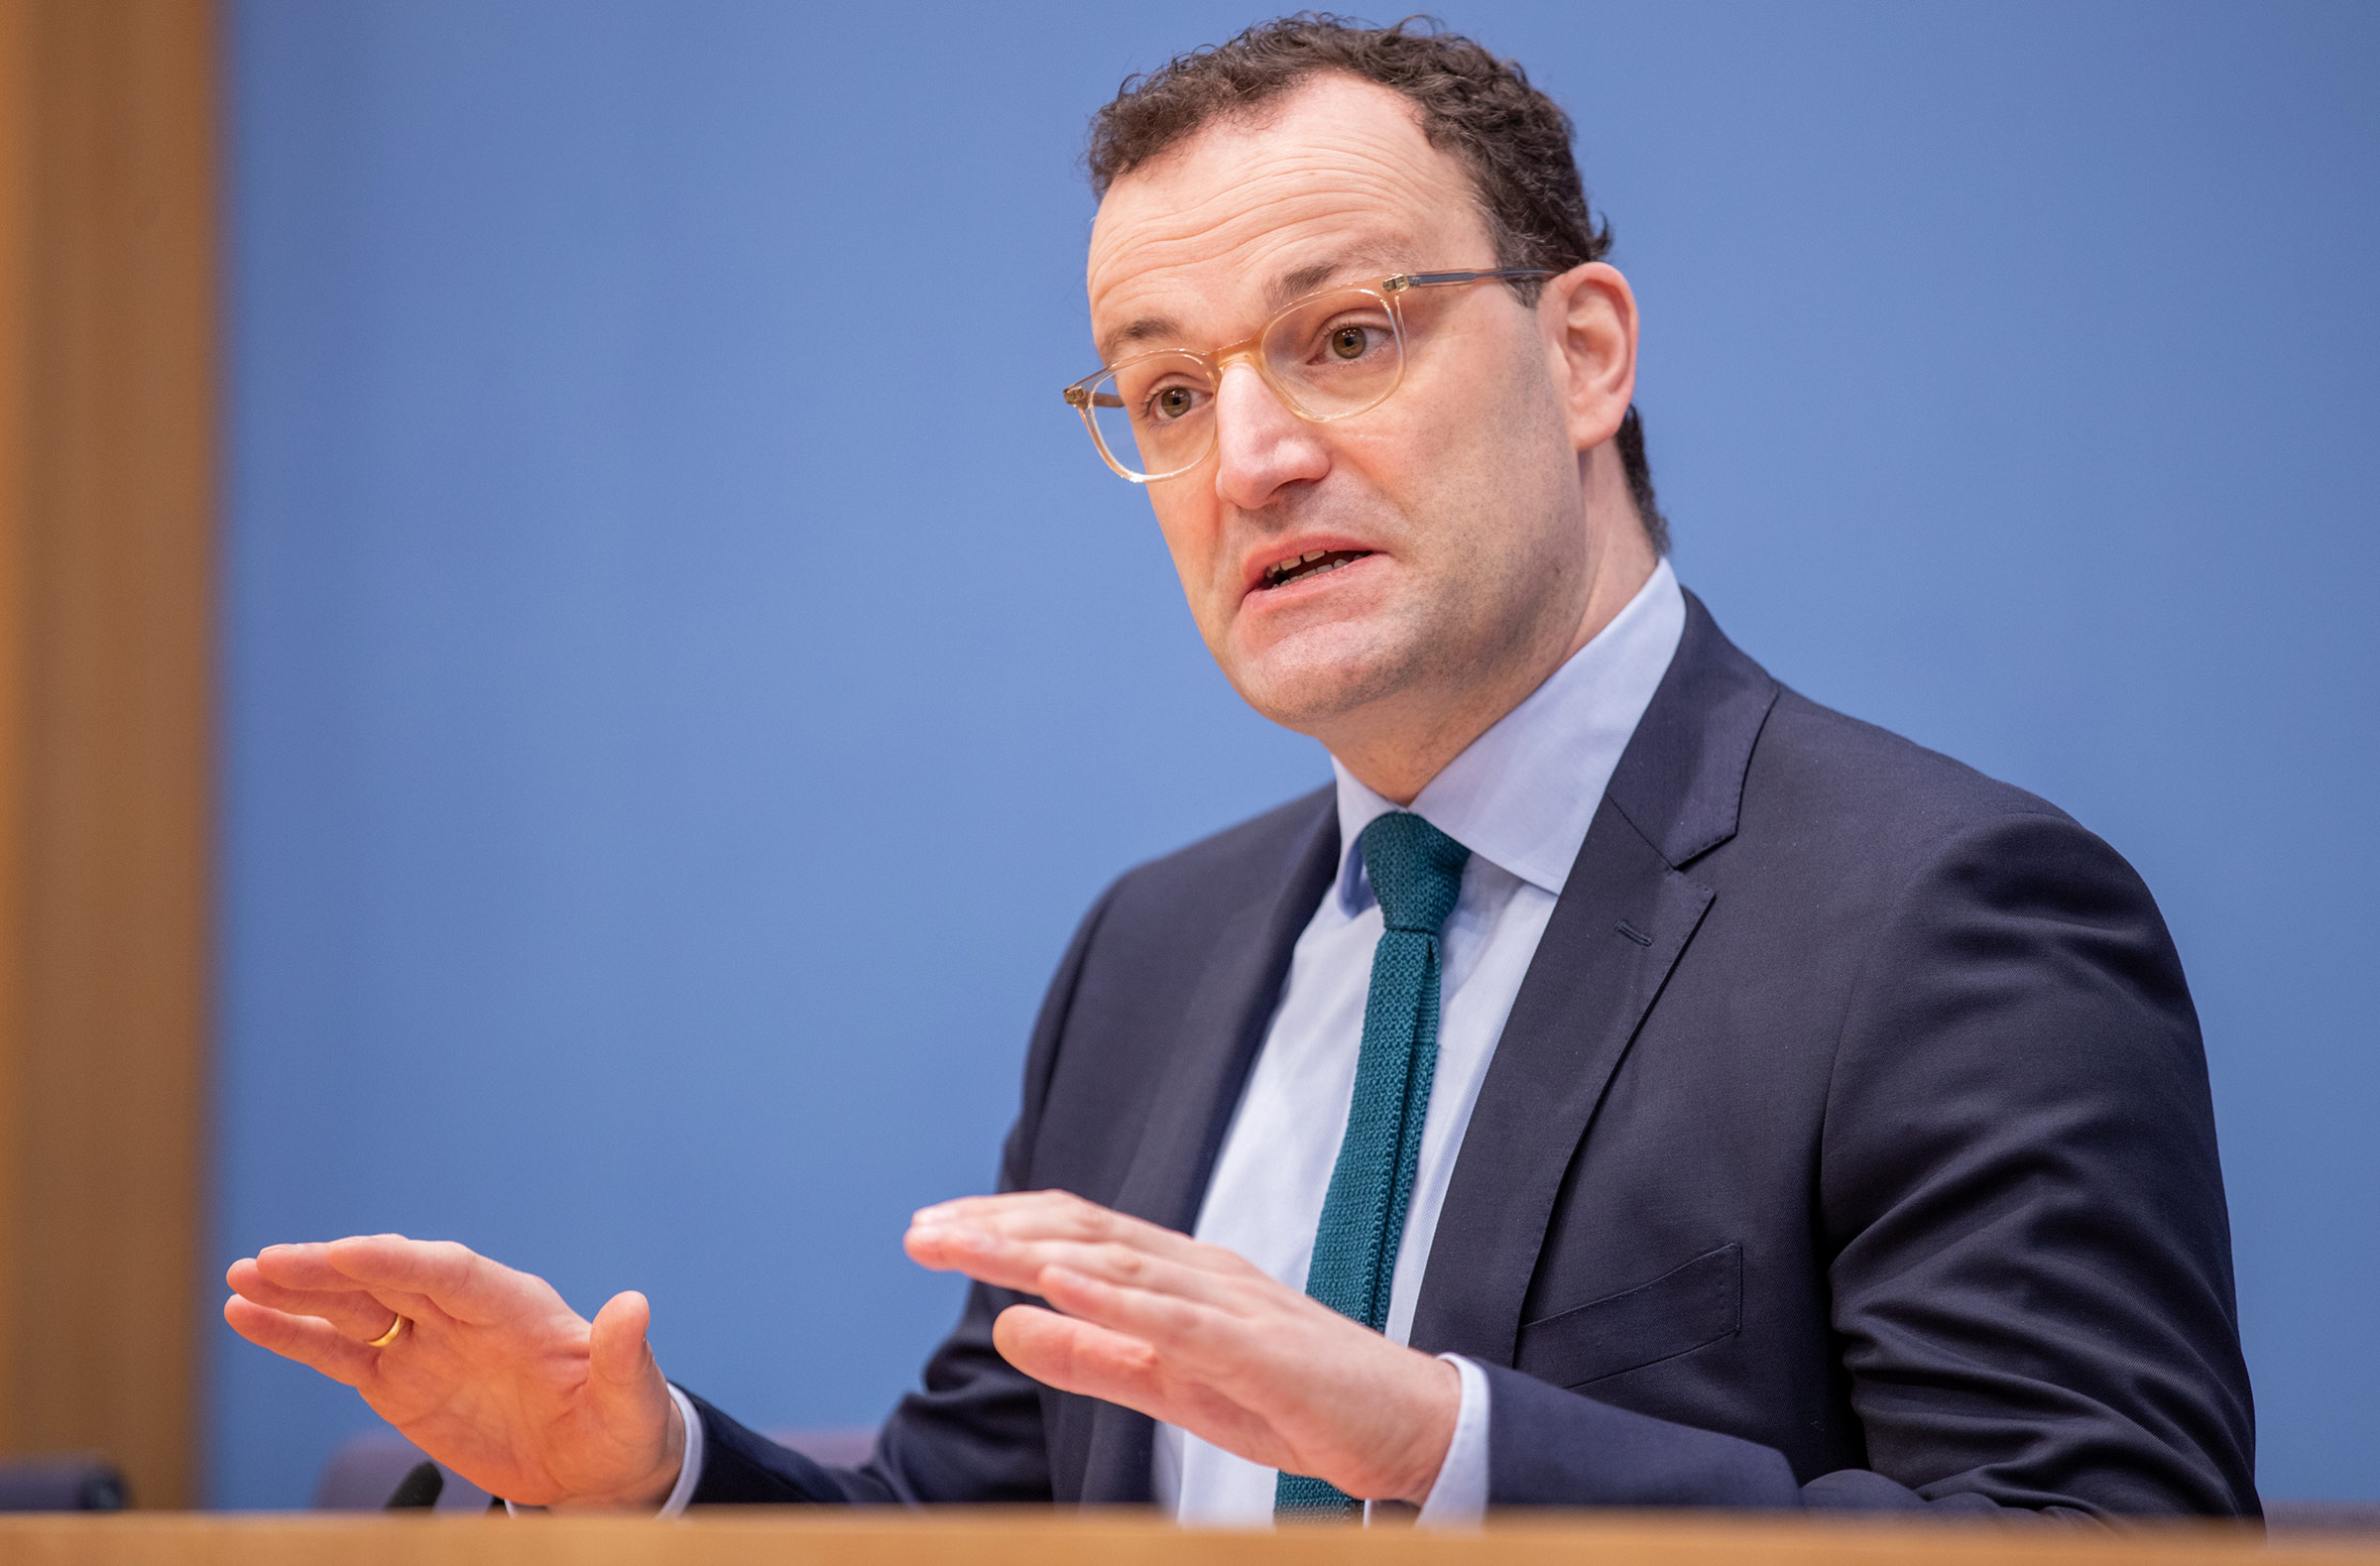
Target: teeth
(1282, 570)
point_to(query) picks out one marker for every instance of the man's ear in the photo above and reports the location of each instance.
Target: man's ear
(1589, 316)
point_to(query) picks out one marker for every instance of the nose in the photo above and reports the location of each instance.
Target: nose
(1260, 446)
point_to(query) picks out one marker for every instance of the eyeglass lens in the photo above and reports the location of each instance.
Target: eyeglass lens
(1327, 357)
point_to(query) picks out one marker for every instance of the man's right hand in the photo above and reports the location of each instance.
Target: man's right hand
(493, 1376)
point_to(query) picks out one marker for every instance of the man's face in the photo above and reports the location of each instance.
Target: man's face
(1453, 504)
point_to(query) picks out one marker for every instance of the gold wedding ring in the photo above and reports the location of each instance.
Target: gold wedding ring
(387, 1337)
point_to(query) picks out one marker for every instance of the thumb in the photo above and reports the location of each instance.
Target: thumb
(620, 1361)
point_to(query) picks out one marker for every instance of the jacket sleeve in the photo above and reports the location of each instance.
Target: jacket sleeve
(2018, 1193)
(974, 1434)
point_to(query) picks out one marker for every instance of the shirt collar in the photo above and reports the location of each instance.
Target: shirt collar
(1522, 795)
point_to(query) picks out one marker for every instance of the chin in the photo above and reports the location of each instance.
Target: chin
(1309, 681)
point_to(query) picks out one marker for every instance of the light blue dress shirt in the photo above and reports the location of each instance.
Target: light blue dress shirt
(1520, 797)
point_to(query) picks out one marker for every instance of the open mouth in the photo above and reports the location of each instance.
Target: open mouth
(1314, 563)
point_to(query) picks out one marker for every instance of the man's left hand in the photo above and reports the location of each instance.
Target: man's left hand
(1194, 1336)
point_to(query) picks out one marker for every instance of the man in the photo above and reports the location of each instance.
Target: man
(1631, 1084)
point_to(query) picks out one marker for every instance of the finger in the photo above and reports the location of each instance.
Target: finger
(305, 1266)
(631, 1400)
(989, 1258)
(1187, 1335)
(354, 1314)
(1128, 1267)
(412, 1307)
(1246, 1341)
(1059, 1215)
(312, 1268)
(619, 1357)
(455, 1278)
(963, 1247)
(979, 1209)
(1005, 1262)
(308, 1340)
(1077, 1357)
(1071, 1231)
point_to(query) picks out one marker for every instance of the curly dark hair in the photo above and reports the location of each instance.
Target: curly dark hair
(1513, 138)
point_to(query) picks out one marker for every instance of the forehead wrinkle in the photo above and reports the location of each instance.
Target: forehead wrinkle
(1283, 256)
(1205, 234)
(1148, 328)
(1258, 242)
(1244, 209)
(1357, 264)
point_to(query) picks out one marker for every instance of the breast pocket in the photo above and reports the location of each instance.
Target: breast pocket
(1683, 1309)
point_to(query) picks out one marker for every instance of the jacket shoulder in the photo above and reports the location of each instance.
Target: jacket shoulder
(1813, 764)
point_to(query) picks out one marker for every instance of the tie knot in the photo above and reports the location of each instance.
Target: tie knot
(1416, 871)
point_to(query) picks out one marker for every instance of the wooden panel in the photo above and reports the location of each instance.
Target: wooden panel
(842, 1537)
(106, 494)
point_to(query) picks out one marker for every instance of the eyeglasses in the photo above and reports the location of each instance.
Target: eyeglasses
(1330, 355)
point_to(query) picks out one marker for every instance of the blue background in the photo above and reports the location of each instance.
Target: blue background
(685, 673)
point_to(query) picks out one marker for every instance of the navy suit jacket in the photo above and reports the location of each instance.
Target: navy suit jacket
(1848, 1144)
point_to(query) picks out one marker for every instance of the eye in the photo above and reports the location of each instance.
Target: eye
(1350, 342)
(1169, 403)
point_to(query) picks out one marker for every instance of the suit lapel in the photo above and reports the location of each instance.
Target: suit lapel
(1217, 1045)
(1588, 988)
(1624, 919)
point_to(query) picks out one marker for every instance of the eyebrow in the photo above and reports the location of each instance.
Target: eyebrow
(1366, 262)
(1146, 329)
(1302, 281)
(1290, 285)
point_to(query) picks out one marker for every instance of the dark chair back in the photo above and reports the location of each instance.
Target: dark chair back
(83, 1481)
(2322, 1516)
(363, 1475)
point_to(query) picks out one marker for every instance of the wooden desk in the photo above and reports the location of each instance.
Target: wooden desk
(1043, 1538)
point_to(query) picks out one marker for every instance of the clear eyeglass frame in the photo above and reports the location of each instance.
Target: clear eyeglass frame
(1096, 396)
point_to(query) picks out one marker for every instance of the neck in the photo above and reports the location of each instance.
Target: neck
(1410, 741)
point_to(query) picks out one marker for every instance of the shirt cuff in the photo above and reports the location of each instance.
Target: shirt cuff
(1459, 1499)
(689, 1473)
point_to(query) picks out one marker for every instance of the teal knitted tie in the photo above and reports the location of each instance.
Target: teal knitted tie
(1416, 872)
